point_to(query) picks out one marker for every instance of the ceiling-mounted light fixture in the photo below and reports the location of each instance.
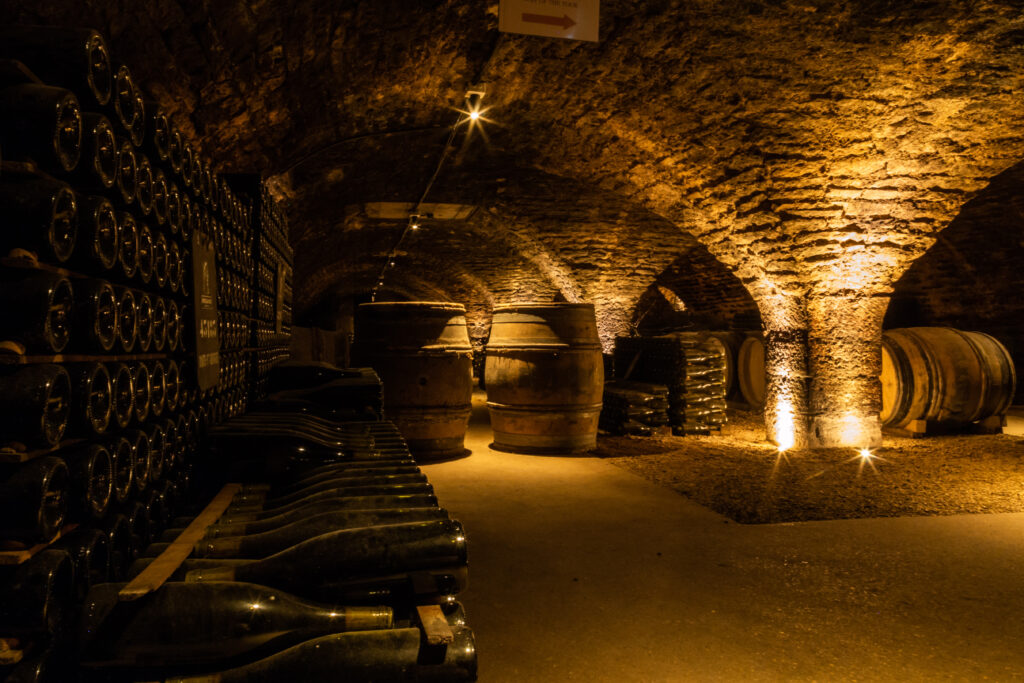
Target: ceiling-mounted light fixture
(474, 99)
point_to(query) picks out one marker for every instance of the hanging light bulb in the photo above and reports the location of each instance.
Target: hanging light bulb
(414, 221)
(474, 99)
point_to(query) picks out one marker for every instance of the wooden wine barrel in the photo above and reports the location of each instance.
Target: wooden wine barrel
(422, 353)
(944, 375)
(750, 372)
(545, 378)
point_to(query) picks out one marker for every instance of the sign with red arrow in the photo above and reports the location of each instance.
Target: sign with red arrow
(574, 19)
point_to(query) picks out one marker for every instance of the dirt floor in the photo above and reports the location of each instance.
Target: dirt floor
(742, 476)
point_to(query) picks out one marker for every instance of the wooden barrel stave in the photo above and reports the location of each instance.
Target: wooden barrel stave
(545, 376)
(944, 375)
(750, 371)
(422, 353)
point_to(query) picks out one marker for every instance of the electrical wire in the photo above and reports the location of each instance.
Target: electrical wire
(416, 212)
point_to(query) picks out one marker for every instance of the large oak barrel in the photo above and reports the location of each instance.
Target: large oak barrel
(545, 378)
(422, 353)
(750, 371)
(944, 375)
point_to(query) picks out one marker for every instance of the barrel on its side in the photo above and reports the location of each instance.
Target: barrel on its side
(545, 377)
(422, 353)
(944, 375)
(750, 373)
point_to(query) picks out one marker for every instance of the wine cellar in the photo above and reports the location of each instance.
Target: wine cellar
(692, 326)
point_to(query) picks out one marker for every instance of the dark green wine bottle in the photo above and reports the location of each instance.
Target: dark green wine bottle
(36, 598)
(309, 568)
(127, 319)
(40, 216)
(396, 655)
(122, 459)
(99, 234)
(43, 124)
(37, 309)
(97, 167)
(399, 467)
(332, 493)
(35, 404)
(260, 545)
(33, 499)
(339, 482)
(335, 503)
(89, 550)
(120, 545)
(142, 455)
(73, 58)
(91, 397)
(92, 482)
(95, 316)
(123, 390)
(195, 626)
(128, 252)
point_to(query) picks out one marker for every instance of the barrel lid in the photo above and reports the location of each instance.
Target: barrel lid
(413, 305)
(544, 325)
(541, 305)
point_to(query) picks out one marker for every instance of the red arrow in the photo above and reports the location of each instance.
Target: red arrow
(564, 21)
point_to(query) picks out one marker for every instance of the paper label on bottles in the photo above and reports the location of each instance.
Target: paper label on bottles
(204, 289)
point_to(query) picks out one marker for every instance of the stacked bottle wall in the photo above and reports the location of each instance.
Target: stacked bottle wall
(272, 325)
(102, 201)
(270, 312)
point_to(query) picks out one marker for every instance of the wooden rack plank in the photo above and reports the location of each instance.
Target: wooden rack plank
(154, 576)
(9, 454)
(435, 626)
(18, 359)
(19, 556)
(10, 651)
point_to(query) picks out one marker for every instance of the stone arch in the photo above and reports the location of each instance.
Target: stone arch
(973, 275)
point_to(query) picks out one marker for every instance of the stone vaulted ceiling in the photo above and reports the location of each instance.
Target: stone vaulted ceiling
(806, 145)
(807, 151)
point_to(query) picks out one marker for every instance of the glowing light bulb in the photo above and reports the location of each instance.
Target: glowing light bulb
(865, 453)
(785, 426)
(474, 115)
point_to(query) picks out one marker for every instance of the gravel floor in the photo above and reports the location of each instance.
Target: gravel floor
(741, 476)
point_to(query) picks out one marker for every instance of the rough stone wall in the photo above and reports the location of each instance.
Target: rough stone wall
(712, 299)
(814, 149)
(531, 237)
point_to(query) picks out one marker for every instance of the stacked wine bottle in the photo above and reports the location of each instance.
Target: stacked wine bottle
(273, 303)
(232, 242)
(98, 418)
(101, 415)
(322, 564)
(687, 368)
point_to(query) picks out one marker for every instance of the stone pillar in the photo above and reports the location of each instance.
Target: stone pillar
(786, 399)
(822, 361)
(844, 359)
(785, 364)
(614, 318)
